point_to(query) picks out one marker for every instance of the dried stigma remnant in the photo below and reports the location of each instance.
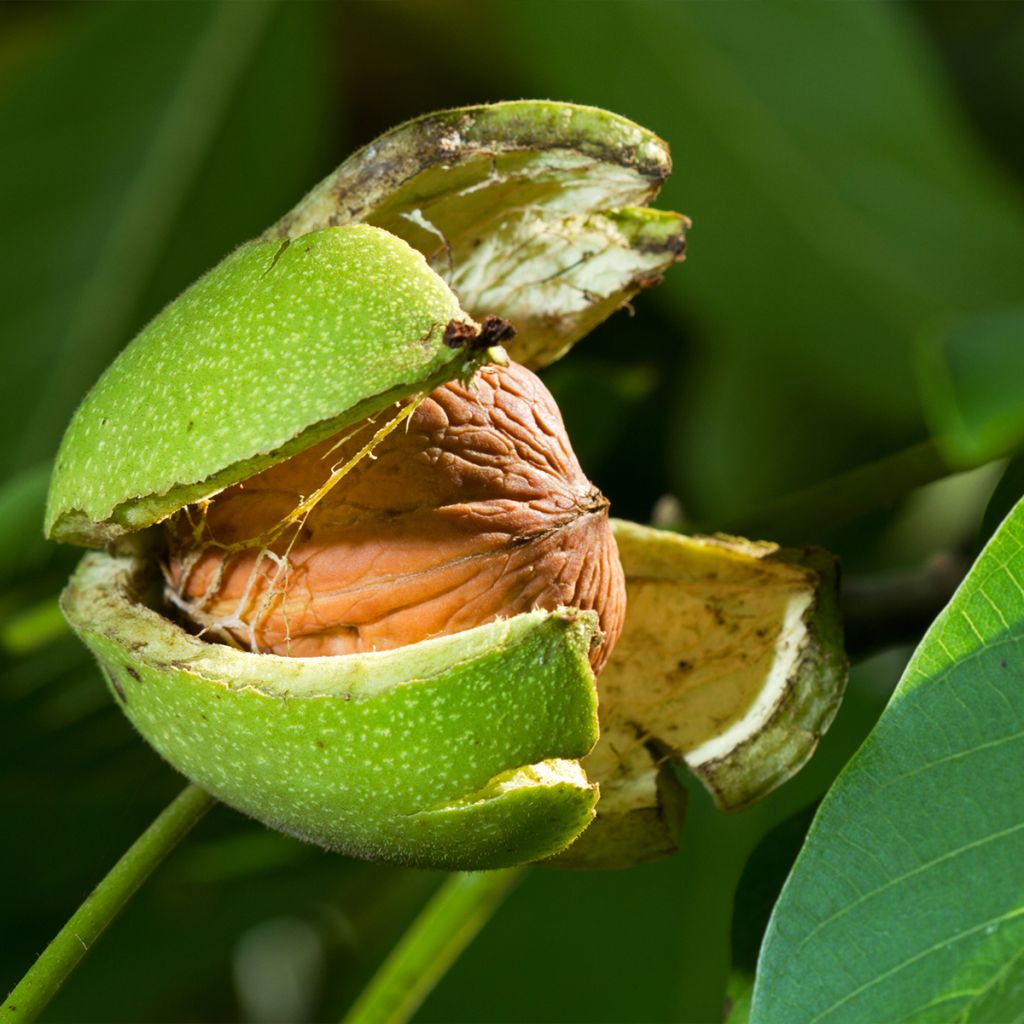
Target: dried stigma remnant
(493, 330)
(467, 506)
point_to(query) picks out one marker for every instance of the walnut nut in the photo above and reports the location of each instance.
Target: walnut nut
(474, 509)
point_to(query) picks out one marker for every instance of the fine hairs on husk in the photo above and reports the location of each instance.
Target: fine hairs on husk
(476, 509)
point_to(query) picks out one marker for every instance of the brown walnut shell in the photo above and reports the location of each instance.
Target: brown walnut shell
(474, 509)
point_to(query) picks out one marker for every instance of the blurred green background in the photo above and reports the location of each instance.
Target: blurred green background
(854, 175)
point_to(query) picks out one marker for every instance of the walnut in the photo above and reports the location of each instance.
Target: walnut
(474, 509)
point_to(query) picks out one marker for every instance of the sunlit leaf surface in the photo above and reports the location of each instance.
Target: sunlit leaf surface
(906, 902)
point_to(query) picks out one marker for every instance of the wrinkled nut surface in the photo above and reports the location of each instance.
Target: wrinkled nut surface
(473, 509)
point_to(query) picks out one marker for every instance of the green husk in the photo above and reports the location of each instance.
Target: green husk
(460, 752)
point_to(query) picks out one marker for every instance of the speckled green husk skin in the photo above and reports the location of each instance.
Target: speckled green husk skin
(408, 755)
(277, 347)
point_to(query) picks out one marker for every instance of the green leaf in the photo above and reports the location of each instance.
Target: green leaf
(970, 375)
(838, 206)
(142, 146)
(98, 253)
(906, 902)
(22, 499)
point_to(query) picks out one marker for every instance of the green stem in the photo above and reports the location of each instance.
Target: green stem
(55, 964)
(444, 928)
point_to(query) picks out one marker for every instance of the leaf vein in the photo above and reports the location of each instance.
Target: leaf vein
(945, 943)
(895, 880)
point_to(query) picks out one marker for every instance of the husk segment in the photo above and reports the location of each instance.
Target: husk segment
(456, 752)
(531, 210)
(277, 347)
(730, 661)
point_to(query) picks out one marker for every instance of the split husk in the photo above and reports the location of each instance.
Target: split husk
(455, 751)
